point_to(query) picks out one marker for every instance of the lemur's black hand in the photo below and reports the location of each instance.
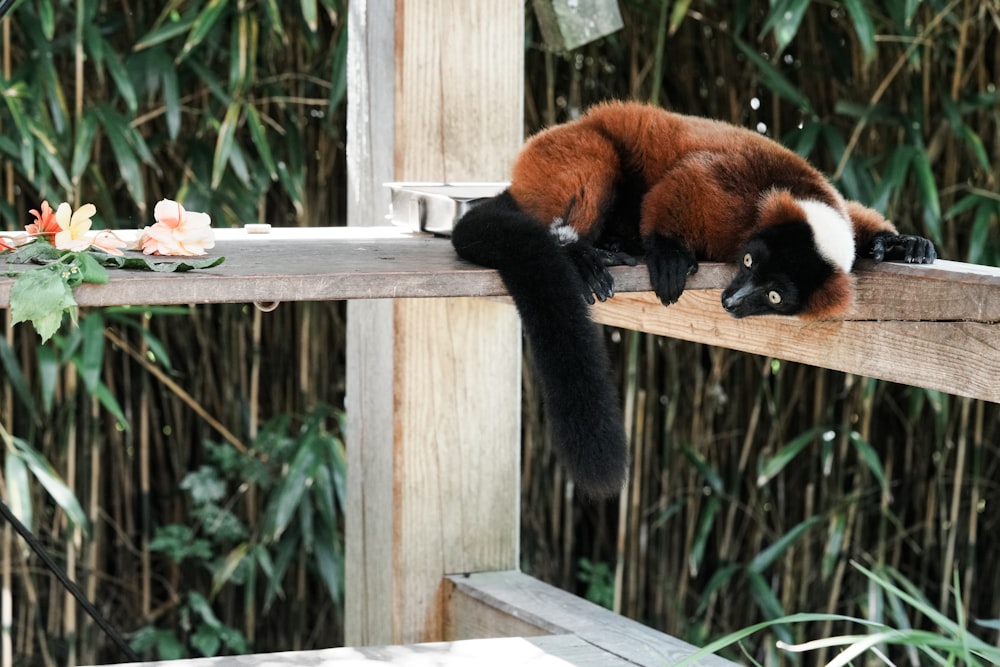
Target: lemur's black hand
(592, 268)
(670, 263)
(890, 247)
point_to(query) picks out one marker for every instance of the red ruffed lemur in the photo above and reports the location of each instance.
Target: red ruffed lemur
(630, 180)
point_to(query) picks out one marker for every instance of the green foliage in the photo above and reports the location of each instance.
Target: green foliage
(301, 478)
(599, 579)
(162, 102)
(950, 642)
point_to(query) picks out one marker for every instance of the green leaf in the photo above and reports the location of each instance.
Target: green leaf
(831, 554)
(863, 27)
(164, 33)
(119, 135)
(92, 359)
(222, 574)
(206, 641)
(42, 296)
(204, 485)
(705, 523)
(110, 403)
(766, 558)
(18, 489)
(259, 136)
(86, 131)
(928, 189)
(293, 487)
(869, 456)
(160, 265)
(774, 79)
(786, 454)
(310, 14)
(91, 269)
(784, 20)
(330, 563)
(677, 14)
(52, 483)
(203, 24)
(15, 377)
(224, 143)
(48, 375)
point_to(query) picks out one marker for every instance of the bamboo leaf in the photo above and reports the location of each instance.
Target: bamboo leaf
(774, 79)
(928, 190)
(831, 554)
(15, 377)
(110, 403)
(52, 483)
(677, 14)
(164, 33)
(786, 454)
(224, 143)
(704, 530)
(118, 132)
(18, 488)
(86, 131)
(863, 27)
(202, 26)
(784, 20)
(869, 456)
(259, 137)
(91, 359)
(766, 558)
(310, 14)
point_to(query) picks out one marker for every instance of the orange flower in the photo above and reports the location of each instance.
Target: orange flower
(7, 243)
(176, 231)
(45, 224)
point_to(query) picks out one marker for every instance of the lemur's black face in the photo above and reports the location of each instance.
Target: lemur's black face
(780, 269)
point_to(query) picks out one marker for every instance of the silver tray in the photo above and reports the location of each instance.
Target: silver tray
(436, 207)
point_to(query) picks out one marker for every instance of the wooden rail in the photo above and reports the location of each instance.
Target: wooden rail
(934, 326)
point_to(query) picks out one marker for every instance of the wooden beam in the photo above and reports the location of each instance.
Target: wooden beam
(514, 601)
(548, 651)
(434, 432)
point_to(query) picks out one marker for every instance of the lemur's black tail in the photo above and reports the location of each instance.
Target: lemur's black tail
(569, 353)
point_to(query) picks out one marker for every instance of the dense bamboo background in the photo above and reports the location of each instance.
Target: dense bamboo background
(188, 435)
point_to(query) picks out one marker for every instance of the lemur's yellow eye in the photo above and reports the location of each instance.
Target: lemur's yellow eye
(774, 297)
(747, 260)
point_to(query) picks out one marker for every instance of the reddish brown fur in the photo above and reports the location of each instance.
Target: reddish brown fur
(704, 176)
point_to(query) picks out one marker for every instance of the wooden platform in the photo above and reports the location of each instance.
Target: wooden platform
(539, 626)
(934, 326)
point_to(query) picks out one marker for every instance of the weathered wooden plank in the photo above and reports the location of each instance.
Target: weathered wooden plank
(325, 263)
(548, 608)
(445, 475)
(549, 651)
(957, 357)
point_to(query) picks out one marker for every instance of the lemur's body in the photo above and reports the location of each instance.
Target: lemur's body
(628, 179)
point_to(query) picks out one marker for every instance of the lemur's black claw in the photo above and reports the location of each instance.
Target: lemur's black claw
(888, 246)
(670, 263)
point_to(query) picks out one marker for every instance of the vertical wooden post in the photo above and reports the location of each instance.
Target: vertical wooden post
(433, 385)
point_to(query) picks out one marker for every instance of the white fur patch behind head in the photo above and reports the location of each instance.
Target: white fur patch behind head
(833, 233)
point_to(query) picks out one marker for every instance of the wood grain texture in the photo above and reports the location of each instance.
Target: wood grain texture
(450, 490)
(548, 608)
(550, 651)
(958, 357)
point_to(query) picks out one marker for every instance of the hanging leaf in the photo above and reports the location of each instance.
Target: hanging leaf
(786, 454)
(766, 558)
(52, 483)
(224, 143)
(863, 27)
(18, 489)
(42, 297)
